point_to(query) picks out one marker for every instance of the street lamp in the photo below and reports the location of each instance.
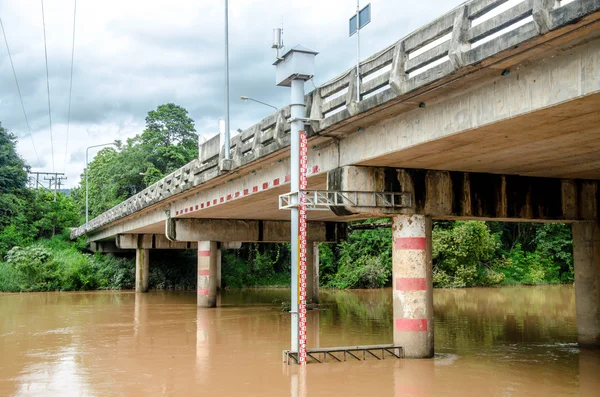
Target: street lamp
(86, 179)
(245, 98)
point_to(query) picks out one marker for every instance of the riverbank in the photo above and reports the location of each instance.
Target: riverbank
(465, 254)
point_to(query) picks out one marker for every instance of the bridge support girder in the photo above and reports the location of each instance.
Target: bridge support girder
(469, 195)
(185, 229)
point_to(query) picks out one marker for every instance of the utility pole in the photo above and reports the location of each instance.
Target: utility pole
(37, 177)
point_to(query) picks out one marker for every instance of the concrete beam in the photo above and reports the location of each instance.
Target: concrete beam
(231, 230)
(151, 241)
(106, 247)
(450, 195)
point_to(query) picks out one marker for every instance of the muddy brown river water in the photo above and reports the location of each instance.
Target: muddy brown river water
(517, 341)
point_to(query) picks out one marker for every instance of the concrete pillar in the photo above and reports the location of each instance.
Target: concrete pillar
(142, 264)
(219, 253)
(315, 272)
(586, 258)
(207, 273)
(412, 285)
(310, 266)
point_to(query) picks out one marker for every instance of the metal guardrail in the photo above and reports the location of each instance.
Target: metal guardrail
(323, 200)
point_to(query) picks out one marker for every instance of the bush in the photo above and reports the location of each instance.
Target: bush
(465, 254)
(57, 265)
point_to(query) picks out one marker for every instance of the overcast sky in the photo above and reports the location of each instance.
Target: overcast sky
(133, 55)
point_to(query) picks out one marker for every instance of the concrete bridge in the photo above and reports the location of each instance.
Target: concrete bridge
(489, 112)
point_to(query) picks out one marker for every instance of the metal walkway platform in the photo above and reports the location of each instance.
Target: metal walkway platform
(339, 354)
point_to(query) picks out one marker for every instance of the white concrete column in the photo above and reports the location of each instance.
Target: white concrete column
(315, 272)
(310, 280)
(142, 264)
(219, 256)
(586, 258)
(207, 273)
(412, 285)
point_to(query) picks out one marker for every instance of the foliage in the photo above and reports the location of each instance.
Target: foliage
(364, 260)
(56, 264)
(27, 215)
(168, 142)
(256, 265)
(465, 254)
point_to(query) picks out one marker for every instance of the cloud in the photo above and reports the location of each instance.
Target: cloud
(131, 56)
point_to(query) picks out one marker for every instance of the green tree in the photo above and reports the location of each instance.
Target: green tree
(168, 142)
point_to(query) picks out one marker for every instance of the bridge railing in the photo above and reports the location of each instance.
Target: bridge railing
(452, 45)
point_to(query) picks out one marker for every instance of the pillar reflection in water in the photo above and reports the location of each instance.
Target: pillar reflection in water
(414, 378)
(297, 376)
(589, 372)
(140, 315)
(206, 332)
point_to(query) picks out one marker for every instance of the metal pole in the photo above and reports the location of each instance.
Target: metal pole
(227, 147)
(357, 51)
(55, 185)
(297, 113)
(87, 216)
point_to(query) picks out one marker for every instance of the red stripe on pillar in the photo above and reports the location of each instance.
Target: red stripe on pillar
(410, 243)
(203, 252)
(411, 324)
(411, 284)
(203, 292)
(203, 272)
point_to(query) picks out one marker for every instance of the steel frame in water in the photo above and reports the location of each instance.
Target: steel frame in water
(340, 354)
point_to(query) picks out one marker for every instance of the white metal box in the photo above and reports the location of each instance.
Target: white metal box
(297, 63)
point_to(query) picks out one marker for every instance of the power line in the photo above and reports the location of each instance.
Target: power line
(71, 85)
(19, 90)
(48, 86)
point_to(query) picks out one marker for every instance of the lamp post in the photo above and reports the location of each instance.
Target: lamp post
(86, 180)
(246, 98)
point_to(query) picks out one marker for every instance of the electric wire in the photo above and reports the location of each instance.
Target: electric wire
(71, 84)
(19, 91)
(48, 86)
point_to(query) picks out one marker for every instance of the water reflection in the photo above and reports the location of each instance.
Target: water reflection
(497, 341)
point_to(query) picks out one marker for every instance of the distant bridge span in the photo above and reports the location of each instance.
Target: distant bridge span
(488, 112)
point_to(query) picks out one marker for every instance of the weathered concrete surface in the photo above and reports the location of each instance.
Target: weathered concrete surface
(142, 266)
(207, 273)
(451, 195)
(412, 285)
(312, 270)
(586, 258)
(464, 94)
(227, 230)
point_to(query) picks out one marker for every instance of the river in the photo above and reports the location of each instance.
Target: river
(514, 341)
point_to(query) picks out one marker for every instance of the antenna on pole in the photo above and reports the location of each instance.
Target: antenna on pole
(277, 41)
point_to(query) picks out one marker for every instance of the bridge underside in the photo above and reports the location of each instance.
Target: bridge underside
(561, 141)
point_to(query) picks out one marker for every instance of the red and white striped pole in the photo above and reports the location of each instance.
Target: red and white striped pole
(413, 285)
(302, 251)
